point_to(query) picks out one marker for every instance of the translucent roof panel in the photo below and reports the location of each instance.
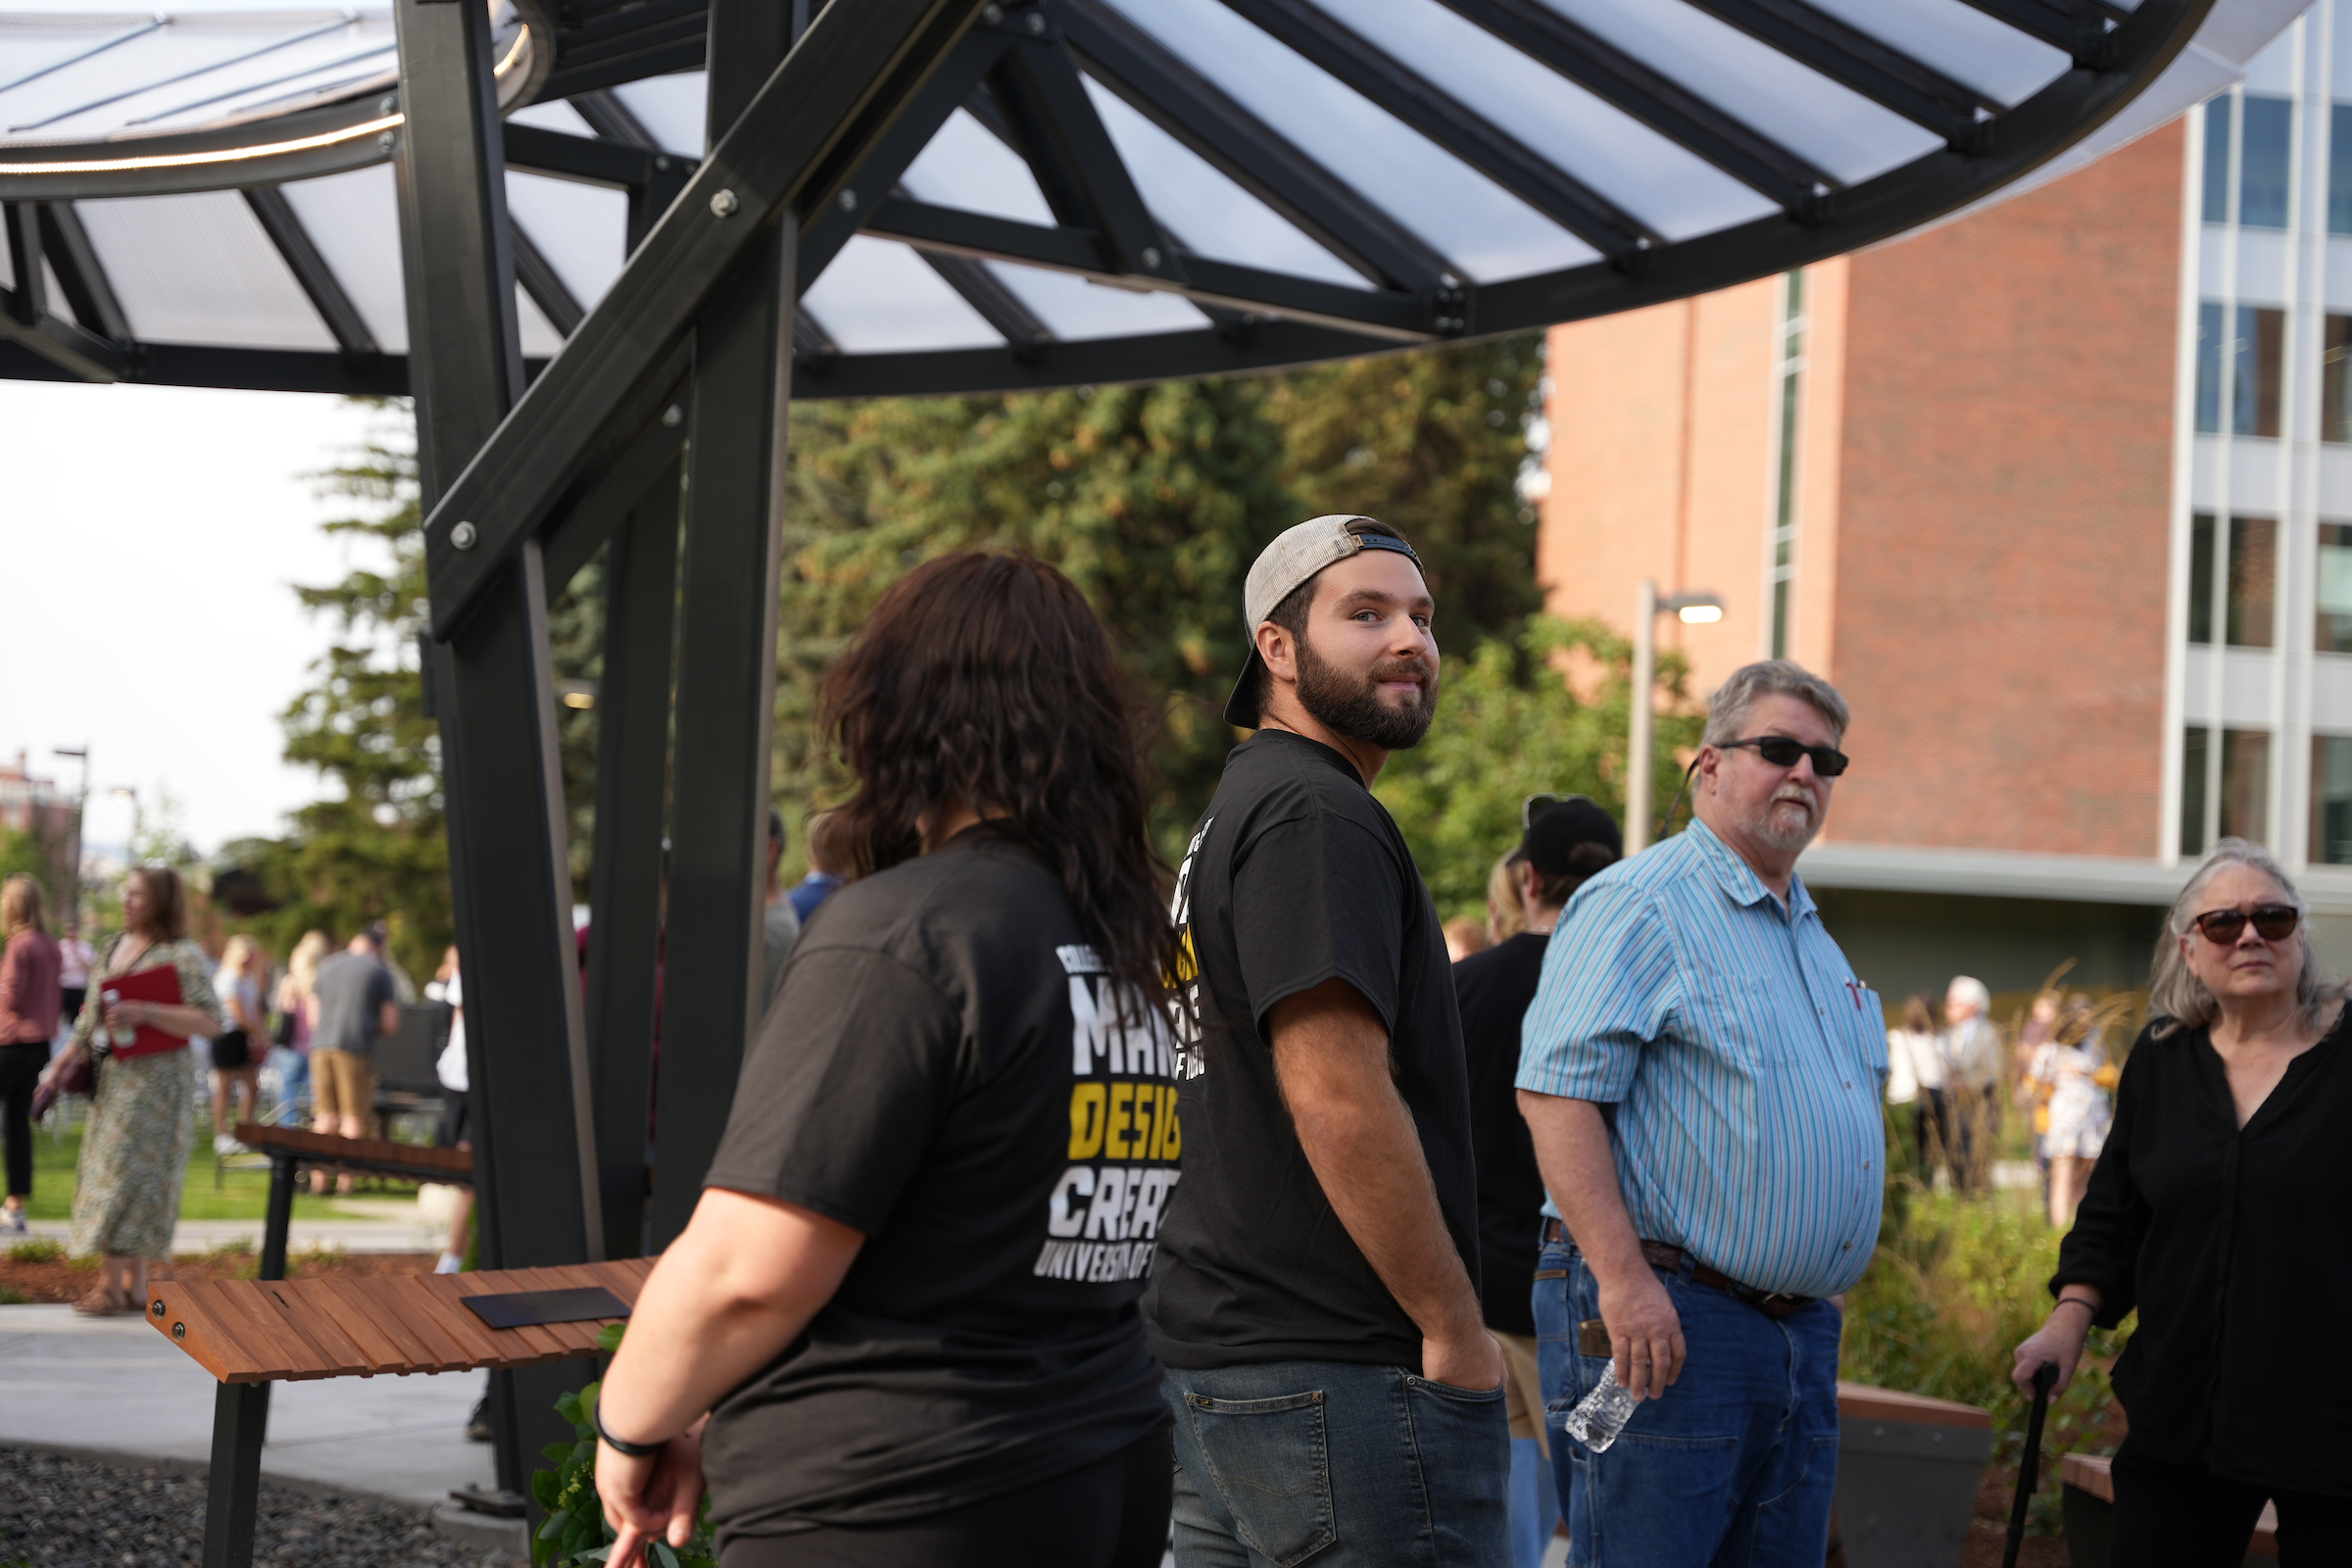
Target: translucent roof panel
(540, 339)
(125, 71)
(671, 107)
(582, 229)
(1658, 180)
(965, 166)
(1962, 42)
(1834, 127)
(1204, 209)
(199, 268)
(352, 219)
(1074, 307)
(1454, 209)
(879, 297)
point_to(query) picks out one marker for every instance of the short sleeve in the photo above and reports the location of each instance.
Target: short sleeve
(1317, 898)
(1608, 984)
(851, 1074)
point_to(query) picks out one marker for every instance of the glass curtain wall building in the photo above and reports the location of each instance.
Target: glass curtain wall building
(2261, 673)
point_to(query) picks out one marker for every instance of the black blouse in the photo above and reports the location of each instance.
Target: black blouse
(2236, 1248)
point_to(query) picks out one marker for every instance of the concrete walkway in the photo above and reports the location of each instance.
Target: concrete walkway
(116, 1384)
(371, 1233)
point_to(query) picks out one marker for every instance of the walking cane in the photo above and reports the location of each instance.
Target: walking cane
(2028, 1471)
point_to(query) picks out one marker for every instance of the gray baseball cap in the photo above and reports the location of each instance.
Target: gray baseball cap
(1295, 554)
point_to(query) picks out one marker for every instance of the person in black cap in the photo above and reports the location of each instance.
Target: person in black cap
(1315, 1299)
(1565, 839)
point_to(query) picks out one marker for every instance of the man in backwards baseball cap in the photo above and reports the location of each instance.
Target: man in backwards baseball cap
(1321, 1248)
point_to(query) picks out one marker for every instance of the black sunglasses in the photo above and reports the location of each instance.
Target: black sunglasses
(2273, 922)
(1535, 805)
(1781, 752)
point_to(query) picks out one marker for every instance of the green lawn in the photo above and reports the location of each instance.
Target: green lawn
(241, 1195)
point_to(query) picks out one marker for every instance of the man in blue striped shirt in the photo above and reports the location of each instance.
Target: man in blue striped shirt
(1702, 1072)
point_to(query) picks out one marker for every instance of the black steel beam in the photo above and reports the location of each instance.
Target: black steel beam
(726, 675)
(511, 880)
(1655, 99)
(88, 292)
(2078, 26)
(592, 158)
(543, 283)
(831, 99)
(1038, 86)
(1853, 58)
(614, 119)
(813, 347)
(283, 226)
(995, 304)
(1452, 124)
(1194, 109)
(652, 174)
(234, 1491)
(29, 300)
(830, 222)
(632, 782)
(1404, 317)
(82, 355)
(606, 502)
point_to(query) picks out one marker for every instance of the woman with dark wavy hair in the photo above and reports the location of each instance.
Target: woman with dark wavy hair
(902, 1327)
(2217, 1210)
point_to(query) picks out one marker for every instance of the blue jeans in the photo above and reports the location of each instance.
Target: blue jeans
(1736, 1465)
(1345, 1464)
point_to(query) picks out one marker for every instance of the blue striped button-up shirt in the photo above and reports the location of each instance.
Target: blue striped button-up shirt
(1742, 1060)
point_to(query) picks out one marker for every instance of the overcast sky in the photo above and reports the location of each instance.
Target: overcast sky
(148, 539)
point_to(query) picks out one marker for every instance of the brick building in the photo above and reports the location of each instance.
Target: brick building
(2049, 491)
(42, 815)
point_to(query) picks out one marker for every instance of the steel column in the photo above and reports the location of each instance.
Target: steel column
(632, 780)
(726, 657)
(233, 1494)
(494, 688)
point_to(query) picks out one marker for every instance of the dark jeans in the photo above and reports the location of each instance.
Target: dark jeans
(1347, 1464)
(20, 1067)
(2184, 1516)
(1737, 1464)
(1111, 1514)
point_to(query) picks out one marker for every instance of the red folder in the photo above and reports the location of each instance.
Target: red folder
(159, 985)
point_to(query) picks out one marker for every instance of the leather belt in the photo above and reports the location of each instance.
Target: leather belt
(1774, 1304)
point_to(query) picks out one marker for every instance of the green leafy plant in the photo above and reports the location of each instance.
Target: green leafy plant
(575, 1531)
(38, 1249)
(11, 1298)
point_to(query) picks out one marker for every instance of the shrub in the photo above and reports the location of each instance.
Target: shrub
(38, 1249)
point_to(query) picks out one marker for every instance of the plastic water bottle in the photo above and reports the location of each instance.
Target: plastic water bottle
(120, 1033)
(1599, 1416)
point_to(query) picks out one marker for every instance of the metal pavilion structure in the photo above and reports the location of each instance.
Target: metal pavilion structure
(604, 243)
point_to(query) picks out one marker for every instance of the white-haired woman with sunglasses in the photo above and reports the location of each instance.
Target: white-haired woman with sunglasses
(2221, 1208)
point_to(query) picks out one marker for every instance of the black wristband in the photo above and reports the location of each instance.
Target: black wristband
(633, 1450)
(2078, 1300)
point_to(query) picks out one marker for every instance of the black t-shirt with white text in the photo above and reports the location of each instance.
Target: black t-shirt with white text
(1295, 876)
(945, 1069)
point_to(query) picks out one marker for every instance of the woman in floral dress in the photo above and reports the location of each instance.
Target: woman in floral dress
(142, 1123)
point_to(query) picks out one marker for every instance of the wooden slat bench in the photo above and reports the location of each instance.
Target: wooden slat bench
(251, 1333)
(2089, 1499)
(289, 1148)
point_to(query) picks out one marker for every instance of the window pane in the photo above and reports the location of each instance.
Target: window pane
(2217, 158)
(2339, 170)
(2335, 589)
(2335, 349)
(2253, 580)
(2255, 355)
(2263, 159)
(2193, 750)
(2200, 577)
(2332, 800)
(2209, 368)
(2245, 784)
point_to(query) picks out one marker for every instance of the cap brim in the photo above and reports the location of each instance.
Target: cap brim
(1241, 708)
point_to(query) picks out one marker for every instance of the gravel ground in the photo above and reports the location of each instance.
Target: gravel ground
(62, 1512)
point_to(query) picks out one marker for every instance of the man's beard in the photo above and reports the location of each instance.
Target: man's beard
(1356, 708)
(1781, 830)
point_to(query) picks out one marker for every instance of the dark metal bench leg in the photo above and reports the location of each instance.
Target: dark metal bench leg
(282, 1217)
(240, 1416)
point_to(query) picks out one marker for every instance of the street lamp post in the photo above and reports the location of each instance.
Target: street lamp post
(81, 810)
(1696, 609)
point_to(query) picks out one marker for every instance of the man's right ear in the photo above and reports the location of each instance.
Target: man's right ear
(1277, 647)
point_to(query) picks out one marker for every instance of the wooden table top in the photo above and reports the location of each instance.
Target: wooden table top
(263, 1331)
(380, 1152)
